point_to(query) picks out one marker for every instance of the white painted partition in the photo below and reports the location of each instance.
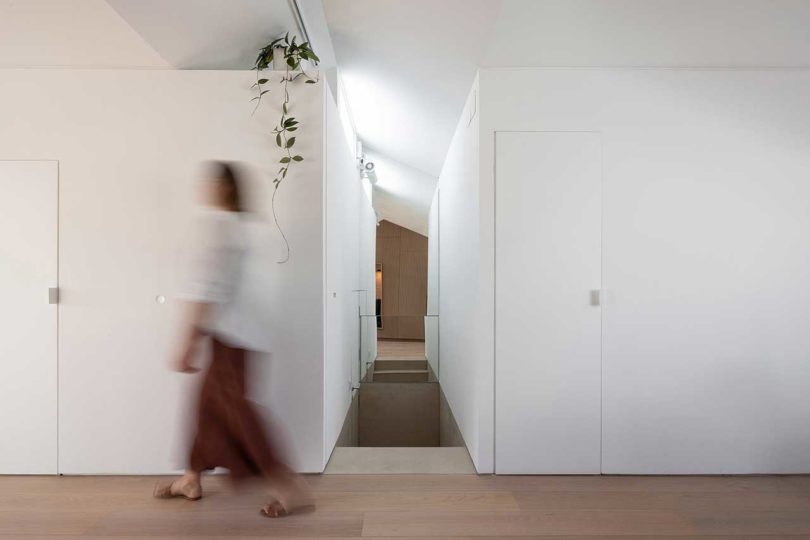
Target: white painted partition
(705, 350)
(465, 329)
(130, 145)
(547, 314)
(344, 199)
(28, 311)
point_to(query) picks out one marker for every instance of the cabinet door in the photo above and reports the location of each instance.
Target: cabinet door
(547, 313)
(28, 268)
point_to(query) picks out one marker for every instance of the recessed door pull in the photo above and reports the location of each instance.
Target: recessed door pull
(53, 295)
(596, 297)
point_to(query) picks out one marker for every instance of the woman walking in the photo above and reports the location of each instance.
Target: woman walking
(229, 432)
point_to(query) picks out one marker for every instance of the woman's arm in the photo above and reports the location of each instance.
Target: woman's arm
(196, 314)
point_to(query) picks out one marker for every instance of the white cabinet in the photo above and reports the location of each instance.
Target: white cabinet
(547, 314)
(28, 317)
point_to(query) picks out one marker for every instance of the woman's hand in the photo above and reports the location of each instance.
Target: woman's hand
(184, 362)
(196, 314)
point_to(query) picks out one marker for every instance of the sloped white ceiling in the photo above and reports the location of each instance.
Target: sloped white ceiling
(407, 67)
(409, 64)
(70, 33)
(208, 34)
(402, 195)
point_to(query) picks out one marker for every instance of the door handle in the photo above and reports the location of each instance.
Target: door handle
(53, 295)
(596, 297)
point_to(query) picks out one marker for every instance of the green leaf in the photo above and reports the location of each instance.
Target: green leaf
(291, 61)
(292, 128)
(298, 158)
(285, 159)
(278, 139)
(262, 81)
(310, 81)
(284, 174)
(290, 142)
(284, 107)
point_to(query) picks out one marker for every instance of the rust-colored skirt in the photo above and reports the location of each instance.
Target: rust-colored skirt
(230, 433)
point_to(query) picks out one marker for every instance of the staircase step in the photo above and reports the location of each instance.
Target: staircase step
(391, 460)
(403, 375)
(396, 364)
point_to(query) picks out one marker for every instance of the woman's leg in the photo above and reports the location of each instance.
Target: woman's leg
(208, 429)
(251, 453)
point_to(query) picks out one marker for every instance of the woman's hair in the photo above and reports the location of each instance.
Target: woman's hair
(228, 176)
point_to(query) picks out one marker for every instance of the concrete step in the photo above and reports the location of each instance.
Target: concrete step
(401, 375)
(401, 414)
(397, 460)
(396, 364)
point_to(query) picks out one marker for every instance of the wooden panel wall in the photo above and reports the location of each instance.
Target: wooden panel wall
(403, 255)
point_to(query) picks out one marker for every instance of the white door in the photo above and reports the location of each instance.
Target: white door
(28, 265)
(547, 313)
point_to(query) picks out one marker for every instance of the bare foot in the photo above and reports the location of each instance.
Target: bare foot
(293, 495)
(188, 488)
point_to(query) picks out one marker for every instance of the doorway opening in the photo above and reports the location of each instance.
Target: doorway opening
(399, 421)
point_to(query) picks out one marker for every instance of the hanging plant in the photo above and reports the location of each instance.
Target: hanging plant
(292, 55)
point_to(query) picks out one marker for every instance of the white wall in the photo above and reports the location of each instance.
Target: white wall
(705, 199)
(78, 33)
(129, 144)
(343, 198)
(465, 347)
(665, 33)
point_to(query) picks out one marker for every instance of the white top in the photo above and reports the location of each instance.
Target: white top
(220, 249)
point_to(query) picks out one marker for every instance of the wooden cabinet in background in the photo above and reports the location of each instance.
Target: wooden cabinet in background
(403, 255)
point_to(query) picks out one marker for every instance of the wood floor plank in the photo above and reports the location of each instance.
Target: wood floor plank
(751, 522)
(405, 501)
(678, 501)
(417, 506)
(248, 522)
(544, 537)
(401, 482)
(523, 523)
(43, 520)
(646, 484)
(651, 484)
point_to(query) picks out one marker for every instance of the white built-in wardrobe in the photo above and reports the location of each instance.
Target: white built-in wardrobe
(652, 269)
(28, 280)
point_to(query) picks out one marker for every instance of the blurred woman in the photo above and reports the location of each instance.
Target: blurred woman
(229, 432)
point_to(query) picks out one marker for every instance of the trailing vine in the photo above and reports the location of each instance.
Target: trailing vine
(294, 54)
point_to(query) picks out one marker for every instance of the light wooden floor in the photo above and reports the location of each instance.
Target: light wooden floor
(460, 506)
